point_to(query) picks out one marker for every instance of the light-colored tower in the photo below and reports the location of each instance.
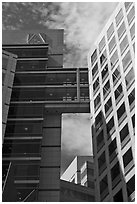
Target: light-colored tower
(112, 101)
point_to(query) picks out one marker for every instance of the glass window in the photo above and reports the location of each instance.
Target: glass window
(112, 147)
(126, 60)
(131, 15)
(94, 57)
(133, 120)
(134, 47)
(121, 30)
(4, 62)
(108, 105)
(114, 59)
(131, 97)
(127, 157)
(115, 171)
(119, 17)
(103, 58)
(102, 44)
(103, 187)
(124, 133)
(123, 44)
(118, 197)
(129, 77)
(106, 89)
(116, 75)
(127, 5)
(96, 85)
(110, 31)
(97, 101)
(131, 187)
(112, 44)
(110, 127)
(104, 72)
(98, 120)
(102, 162)
(118, 91)
(132, 31)
(94, 70)
(121, 111)
(100, 139)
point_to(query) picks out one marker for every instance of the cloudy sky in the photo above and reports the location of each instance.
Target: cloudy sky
(82, 23)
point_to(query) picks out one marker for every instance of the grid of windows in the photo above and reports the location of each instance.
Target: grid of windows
(114, 58)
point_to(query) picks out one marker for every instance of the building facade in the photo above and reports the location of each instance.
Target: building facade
(111, 64)
(42, 90)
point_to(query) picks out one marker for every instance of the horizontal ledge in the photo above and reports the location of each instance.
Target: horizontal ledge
(25, 119)
(21, 158)
(32, 58)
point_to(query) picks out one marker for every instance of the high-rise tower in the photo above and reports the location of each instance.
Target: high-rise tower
(112, 102)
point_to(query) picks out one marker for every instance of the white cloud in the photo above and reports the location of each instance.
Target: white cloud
(82, 23)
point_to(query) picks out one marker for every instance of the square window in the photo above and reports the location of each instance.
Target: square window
(118, 197)
(97, 101)
(132, 31)
(102, 44)
(127, 5)
(124, 44)
(104, 72)
(131, 15)
(103, 58)
(131, 187)
(103, 188)
(106, 89)
(116, 75)
(100, 140)
(112, 147)
(115, 171)
(114, 59)
(110, 31)
(133, 120)
(129, 77)
(127, 157)
(94, 57)
(121, 30)
(108, 106)
(118, 92)
(119, 17)
(99, 120)
(112, 44)
(121, 111)
(110, 126)
(94, 70)
(126, 61)
(131, 97)
(102, 163)
(124, 133)
(96, 85)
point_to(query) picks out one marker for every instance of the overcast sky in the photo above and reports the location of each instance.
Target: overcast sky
(82, 23)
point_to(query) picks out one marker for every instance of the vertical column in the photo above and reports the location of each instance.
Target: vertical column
(49, 186)
(78, 84)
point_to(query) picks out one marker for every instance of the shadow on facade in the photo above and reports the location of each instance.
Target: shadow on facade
(110, 180)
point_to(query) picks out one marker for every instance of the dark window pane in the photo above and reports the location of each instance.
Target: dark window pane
(129, 77)
(121, 30)
(121, 111)
(119, 17)
(108, 105)
(119, 196)
(103, 58)
(131, 186)
(116, 75)
(115, 171)
(110, 31)
(114, 59)
(126, 60)
(112, 44)
(131, 15)
(94, 70)
(124, 132)
(131, 97)
(128, 157)
(94, 57)
(102, 44)
(104, 72)
(118, 91)
(112, 147)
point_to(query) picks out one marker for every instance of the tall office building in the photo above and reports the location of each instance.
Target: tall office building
(42, 90)
(111, 65)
